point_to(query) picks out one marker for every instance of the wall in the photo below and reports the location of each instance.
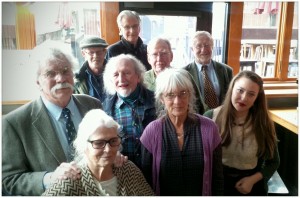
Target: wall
(18, 80)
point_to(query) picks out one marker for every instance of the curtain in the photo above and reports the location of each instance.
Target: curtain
(25, 28)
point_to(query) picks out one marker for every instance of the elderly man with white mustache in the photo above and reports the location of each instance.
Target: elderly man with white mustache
(35, 144)
(130, 103)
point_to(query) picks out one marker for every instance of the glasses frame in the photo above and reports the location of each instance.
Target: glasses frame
(106, 142)
(98, 53)
(66, 71)
(160, 54)
(181, 95)
(134, 27)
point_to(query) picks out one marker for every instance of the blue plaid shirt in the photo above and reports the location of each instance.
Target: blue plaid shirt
(130, 119)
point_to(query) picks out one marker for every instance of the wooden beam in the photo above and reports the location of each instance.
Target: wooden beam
(108, 17)
(235, 35)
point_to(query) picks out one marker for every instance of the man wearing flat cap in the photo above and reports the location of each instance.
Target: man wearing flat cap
(89, 80)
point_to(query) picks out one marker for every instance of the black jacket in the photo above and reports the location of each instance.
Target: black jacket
(124, 47)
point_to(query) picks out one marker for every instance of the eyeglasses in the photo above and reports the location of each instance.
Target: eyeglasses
(160, 54)
(134, 27)
(66, 71)
(181, 95)
(100, 144)
(98, 53)
(205, 46)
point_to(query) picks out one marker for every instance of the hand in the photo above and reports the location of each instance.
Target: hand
(244, 185)
(120, 159)
(66, 170)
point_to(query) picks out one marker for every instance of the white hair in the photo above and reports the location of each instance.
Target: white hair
(90, 123)
(127, 13)
(170, 79)
(112, 66)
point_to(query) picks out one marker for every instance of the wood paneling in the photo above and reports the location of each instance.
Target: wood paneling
(109, 28)
(235, 35)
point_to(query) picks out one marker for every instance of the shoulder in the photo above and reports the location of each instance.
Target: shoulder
(85, 97)
(25, 111)
(148, 94)
(206, 121)
(189, 66)
(210, 131)
(115, 46)
(108, 103)
(222, 65)
(86, 100)
(80, 74)
(126, 170)
(152, 130)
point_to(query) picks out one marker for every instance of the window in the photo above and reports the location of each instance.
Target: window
(260, 49)
(163, 26)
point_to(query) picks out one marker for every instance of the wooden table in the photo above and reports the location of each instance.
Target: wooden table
(287, 118)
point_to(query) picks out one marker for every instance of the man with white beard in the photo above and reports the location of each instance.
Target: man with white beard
(37, 148)
(130, 103)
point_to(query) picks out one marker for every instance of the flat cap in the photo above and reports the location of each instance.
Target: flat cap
(93, 41)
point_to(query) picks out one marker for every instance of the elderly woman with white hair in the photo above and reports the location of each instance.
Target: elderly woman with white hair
(96, 147)
(181, 150)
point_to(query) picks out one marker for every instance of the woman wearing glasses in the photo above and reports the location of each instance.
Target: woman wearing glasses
(181, 151)
(96, 147)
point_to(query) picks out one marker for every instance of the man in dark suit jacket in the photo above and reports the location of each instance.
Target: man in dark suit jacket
(34, 144)
(219, 74)
(129, 25)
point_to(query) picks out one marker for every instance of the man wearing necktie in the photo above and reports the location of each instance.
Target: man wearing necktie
(37, 137)
(211, 77)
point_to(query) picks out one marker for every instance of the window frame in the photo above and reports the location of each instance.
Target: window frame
(284, 35)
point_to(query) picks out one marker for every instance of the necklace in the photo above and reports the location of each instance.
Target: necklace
(240, 124)
(180, 136)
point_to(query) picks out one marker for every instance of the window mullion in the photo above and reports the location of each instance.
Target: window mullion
(284, 36)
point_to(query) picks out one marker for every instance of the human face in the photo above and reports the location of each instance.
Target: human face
(160, 57)
(202, 49)
(102, 157)
(125, 78)
(176, 102)
(130, 29)
(95, 57)
(244, 94)
(56, 82)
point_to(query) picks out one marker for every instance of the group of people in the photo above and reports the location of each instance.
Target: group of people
(126, 101)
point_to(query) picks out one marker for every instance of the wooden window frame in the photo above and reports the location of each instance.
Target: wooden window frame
(284, 35)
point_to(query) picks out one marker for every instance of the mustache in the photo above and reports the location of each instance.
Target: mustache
(61, 86)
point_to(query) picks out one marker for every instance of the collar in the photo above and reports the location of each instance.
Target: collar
(131, 46)
(209, 65)
(54, 110)
(140, 99)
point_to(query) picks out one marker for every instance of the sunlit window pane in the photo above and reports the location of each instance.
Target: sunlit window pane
(258, 44)
(163, 26)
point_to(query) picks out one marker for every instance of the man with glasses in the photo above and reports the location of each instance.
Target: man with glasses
(129, 25)
(212, 78)
(89, 79)
(36, 141)
(160, 56)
